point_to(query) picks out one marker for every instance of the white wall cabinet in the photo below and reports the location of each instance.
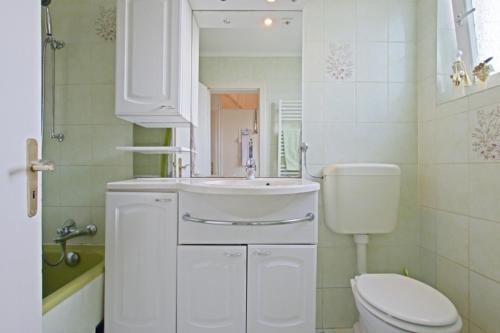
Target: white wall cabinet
(279, 281)
(281, 288)
(154, 62)
(211, 294)
(141, 243)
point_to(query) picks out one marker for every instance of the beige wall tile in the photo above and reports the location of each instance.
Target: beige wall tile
(402, 20)
(319, 309)
(428, 263)
(339, 310)
(485, 248)
(453, 237)
(453, 281)
(485, 191)
(428, 232)
(452, 192)
(451, 139)
(337, 266)
(484, 98)
(484, 300)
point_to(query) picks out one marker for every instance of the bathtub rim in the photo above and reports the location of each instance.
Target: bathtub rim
(70, 288)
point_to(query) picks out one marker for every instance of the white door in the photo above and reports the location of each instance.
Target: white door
(141, 242)
(147, 56)
(281, 289)
(211, 296)
(20, 239)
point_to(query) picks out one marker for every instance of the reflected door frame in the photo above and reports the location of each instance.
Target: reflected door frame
(263, 118)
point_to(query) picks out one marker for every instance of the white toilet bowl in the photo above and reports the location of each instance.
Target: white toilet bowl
(391, 303)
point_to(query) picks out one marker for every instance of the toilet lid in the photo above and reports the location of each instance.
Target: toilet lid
(406, 299)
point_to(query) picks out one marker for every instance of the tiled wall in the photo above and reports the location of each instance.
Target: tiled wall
(459, 181)
(360, 106)
(279, 77)
(87, 158)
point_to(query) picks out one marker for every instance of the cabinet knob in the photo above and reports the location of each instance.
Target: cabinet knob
(232, 254)
(262, 252)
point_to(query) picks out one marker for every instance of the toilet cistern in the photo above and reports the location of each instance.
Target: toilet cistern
(361, 199)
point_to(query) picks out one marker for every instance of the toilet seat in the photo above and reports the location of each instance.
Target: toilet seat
(412, 305)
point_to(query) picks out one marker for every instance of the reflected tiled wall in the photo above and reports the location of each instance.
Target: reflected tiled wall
(459, 181)
(360, 106)
(280, 77)
(87, 158)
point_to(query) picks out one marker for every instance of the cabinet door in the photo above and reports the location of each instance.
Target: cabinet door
(147, 57)
(211, 296)
(141, 243)
(281, 289)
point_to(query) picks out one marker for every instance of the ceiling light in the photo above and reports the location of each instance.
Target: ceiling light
(268, 22)
(227, 20)
(271, 1)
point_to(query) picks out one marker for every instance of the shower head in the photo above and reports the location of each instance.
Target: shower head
(45, 3)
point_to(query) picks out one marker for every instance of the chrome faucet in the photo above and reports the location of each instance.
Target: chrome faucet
(70, 230)
(250, 166)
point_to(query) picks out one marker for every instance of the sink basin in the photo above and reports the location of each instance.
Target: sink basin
(261, 186)
(225, 186)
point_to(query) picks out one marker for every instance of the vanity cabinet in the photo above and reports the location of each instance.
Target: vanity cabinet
(253, 289)
(141, 244)
(154, 62)
(165, 274)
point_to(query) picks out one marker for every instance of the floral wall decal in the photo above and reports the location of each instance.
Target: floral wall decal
(486, 135)
(105, 23)
(339, 61)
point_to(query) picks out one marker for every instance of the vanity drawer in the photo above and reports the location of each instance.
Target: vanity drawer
(230, 219)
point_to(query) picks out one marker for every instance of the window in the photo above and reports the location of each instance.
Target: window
(486, 27)
(478, 35)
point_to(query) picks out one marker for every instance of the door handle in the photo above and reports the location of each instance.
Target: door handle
(42, 165)
(33, 166)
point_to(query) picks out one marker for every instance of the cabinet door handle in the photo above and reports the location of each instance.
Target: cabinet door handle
(262, 252)
(232, 254)
(166, 107)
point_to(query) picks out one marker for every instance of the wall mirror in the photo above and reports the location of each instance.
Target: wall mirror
(250, 94)
(468, 47)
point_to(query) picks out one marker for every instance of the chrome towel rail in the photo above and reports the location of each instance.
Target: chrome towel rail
(308, 218)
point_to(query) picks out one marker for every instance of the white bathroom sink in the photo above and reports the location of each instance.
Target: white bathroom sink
(225, 186)
(258, 186)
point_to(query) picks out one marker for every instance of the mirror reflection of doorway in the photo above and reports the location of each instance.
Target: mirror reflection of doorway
(234, 130)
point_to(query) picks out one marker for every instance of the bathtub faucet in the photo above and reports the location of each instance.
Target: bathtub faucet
(70, 230)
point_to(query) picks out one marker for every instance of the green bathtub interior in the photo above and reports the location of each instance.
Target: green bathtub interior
(62, 281)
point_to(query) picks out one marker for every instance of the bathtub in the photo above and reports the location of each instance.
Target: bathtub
(73, 297)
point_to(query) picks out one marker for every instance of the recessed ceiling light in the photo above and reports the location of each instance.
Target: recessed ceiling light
(227, 20)
(268, 22)
(271, 0)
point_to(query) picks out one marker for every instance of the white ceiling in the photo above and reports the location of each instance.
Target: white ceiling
(246, 34)
(246, 4)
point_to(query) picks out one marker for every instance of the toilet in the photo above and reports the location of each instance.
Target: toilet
(391, 303)
(362, 199)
